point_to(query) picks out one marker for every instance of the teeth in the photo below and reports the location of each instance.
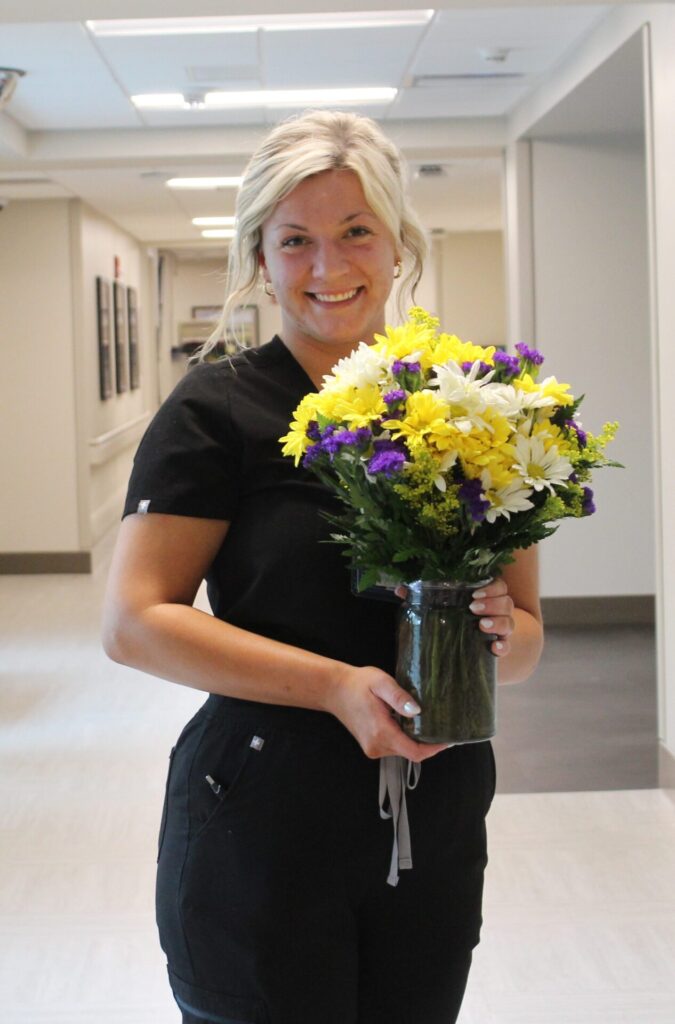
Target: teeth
(336, 298)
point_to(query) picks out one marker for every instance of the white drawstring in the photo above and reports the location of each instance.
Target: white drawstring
(395, 778)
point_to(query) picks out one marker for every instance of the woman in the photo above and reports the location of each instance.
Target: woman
(272, 896)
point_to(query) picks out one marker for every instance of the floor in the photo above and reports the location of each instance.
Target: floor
(580, 898)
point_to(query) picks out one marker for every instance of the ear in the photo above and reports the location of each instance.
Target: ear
(262, 265)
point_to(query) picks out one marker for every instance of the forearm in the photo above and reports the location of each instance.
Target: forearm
(525, 647)
(187, 646)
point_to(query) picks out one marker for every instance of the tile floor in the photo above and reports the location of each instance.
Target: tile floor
(580, 899)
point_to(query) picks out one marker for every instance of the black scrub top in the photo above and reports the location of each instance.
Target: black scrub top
(213, 451)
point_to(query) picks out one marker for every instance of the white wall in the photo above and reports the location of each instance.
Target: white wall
(662, 154)
(612, 33)
(201, 283)
(106, 461)
(66, 454)
(473, 286)
(592, 323)
(37, 412)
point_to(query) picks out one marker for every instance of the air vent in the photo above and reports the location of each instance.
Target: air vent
(25, 181)
(215, 74)
(431, 171)
(438, 81)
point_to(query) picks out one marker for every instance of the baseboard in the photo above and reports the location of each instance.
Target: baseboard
(667, 771)
(615, 610)
(24, 563)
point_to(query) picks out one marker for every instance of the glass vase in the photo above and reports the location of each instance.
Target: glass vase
(445, 662)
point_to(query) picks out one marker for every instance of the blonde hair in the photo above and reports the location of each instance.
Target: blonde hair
(304, 145)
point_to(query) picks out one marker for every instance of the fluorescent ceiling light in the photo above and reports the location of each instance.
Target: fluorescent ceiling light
(252, 23)
(234, 100)
(218, 233)
(160, 101)
(206, 222)
(231, 182)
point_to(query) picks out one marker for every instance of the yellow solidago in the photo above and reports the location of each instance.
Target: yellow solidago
(424, 319)
(434, 509)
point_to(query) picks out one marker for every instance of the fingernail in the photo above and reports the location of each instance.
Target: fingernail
(499, 645)
(449, 745)
(479, 593)
(487, 623)
(477, 606)
(411, 709)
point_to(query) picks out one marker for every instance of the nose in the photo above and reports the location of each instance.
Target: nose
(330, 261)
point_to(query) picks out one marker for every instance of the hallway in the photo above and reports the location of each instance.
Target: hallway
(580, 902)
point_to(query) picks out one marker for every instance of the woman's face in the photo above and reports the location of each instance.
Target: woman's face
(331, 262)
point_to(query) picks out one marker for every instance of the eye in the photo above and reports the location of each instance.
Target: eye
(293, 241)
(359, 231)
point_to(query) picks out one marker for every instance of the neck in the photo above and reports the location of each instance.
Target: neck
(315, 358)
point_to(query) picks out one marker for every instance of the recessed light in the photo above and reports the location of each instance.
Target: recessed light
(253, 23)
(245, 100)
(212, 222)
(232, 182)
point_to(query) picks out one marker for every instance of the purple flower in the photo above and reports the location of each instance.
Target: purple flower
(587, 504)
(530, 355)
(394, 396)
(471, 494)
(313, 431)
(386, 462)
(483, 369)
(399, 366)
(510, 365)
(311, 455)
(359, 438)
(387, 445)
(581, 434)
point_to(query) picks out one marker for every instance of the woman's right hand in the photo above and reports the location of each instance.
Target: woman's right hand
(365, 700)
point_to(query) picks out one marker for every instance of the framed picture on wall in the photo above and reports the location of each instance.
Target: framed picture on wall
(244, 330)
(103, 330)
(206, 312)
(121, 344)
(132, 321)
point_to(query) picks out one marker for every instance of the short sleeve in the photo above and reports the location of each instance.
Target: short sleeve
(189, 460)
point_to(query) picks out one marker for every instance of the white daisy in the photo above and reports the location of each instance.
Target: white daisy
(445, 463)
(360, 368)
(514, 497)
(540, 468)
(463, 390)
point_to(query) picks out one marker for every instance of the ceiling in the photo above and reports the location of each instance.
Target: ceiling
(71, 128)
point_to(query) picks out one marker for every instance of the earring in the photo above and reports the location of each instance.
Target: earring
(398, 267)
(268, 289)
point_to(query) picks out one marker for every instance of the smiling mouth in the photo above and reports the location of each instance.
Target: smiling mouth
(335, 297)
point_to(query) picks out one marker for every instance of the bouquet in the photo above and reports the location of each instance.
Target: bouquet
(446, 457)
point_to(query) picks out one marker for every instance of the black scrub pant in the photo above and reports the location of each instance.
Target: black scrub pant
(272, 899)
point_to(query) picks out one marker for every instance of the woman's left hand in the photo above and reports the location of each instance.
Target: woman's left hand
(495, 610)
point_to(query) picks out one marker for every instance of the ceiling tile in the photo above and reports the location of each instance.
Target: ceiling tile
(537, 37)
(163, 63)
(67, 85)
(337, 57)
(461, 99)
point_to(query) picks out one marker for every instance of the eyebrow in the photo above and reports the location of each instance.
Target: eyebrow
(352, 216)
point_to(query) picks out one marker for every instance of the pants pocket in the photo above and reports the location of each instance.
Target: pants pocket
(162, 824)
(201, 1004)
(230, 756)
